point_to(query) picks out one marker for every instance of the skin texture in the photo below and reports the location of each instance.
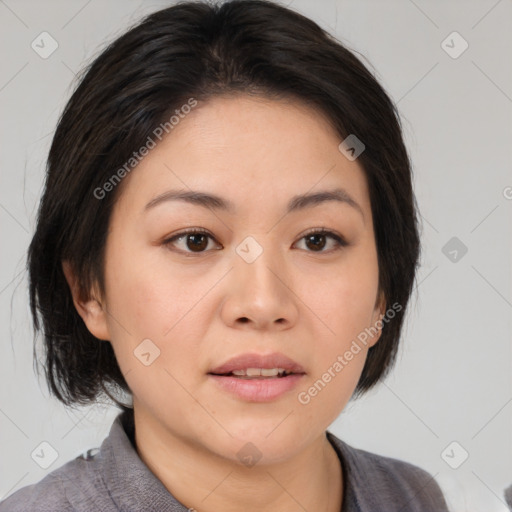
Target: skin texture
(200, 309)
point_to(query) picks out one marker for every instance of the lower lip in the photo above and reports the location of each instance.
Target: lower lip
(258, 390)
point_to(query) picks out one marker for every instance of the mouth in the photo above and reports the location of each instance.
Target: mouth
(256, 365)
(257, 373)
(258, 378)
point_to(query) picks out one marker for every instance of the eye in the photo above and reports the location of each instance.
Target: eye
(316, 240)
(196, 241)
(191, 240)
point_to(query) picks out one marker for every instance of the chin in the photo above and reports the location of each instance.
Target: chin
(269, 444)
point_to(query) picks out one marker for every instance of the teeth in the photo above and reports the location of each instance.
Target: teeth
(270, 372)
(257, 372)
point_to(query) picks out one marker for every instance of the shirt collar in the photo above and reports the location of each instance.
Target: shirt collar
(130, 482)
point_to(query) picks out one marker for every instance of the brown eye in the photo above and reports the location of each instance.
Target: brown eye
(191, 241)
(316, 241)
(196, 242)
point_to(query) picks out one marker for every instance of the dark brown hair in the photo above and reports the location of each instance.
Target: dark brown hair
(199, 50)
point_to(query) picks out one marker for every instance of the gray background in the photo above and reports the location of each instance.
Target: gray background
(452, 381)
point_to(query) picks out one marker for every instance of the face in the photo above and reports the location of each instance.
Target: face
(259, 276)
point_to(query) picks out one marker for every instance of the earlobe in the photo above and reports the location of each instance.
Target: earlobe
(90, 310)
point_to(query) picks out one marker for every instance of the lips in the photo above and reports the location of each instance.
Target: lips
(250, 363)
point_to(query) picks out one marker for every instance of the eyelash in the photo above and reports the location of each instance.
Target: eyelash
(340, 241)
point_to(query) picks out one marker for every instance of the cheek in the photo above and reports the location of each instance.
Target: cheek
(347, 306)
(152, 314)
(142, 293)
(346, 311)
(147, 301)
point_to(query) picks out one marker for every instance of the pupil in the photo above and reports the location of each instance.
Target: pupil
(316, 245)
(196, 244)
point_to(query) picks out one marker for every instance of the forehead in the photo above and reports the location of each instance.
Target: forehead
(248, 150)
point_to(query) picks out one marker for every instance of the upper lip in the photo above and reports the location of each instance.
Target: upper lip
(251, 360)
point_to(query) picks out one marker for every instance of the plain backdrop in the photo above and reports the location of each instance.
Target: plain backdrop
(450, 394)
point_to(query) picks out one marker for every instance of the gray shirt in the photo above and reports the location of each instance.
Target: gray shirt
(114, 478)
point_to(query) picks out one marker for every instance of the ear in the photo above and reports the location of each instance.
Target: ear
(378, 313)
(92, 312)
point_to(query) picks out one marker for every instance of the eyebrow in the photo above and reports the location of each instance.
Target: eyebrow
(296, 203)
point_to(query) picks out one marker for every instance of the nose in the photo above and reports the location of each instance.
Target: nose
(259, 295)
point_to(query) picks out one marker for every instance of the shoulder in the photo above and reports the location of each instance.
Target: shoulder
(377, 482)
(58, 491)
(44, 496)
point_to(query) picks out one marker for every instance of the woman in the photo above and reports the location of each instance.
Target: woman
(228, 235)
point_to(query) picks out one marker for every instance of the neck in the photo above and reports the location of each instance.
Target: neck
(204, 481)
